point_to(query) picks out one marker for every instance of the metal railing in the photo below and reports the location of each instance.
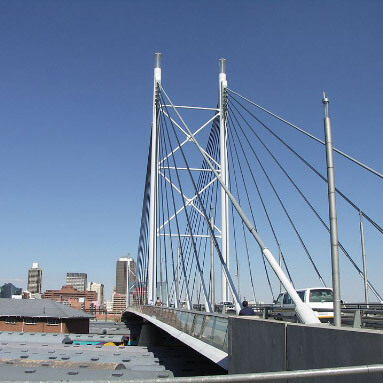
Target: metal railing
(210, 328)
(277, 376)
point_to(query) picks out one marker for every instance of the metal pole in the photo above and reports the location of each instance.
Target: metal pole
(212, 282)
(332, 213)
(152, 283)
(161, 282)
(280, 264)
(178, 276)
(363, 258)
(127, 283)
(224, 174)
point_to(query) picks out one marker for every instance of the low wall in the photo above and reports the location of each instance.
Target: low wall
(257, 345)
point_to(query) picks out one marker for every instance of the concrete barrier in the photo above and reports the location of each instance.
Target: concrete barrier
(257, 345)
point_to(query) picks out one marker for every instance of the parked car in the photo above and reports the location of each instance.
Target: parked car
(226, 307)
(320, 299)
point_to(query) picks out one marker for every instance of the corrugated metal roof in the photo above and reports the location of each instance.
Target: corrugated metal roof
(36, 337)
(27, 361)
(62, 364)
(40, 374)
(43, 337)
(38, 308)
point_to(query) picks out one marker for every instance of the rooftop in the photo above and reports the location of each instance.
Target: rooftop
(38, 308)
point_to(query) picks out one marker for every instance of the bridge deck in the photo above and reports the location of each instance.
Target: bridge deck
(205, 333)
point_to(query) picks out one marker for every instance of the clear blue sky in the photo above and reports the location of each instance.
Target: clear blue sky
(75, 111)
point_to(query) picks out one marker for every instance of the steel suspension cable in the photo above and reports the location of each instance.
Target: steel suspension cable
(360, 272)
(305, 313)
(323, 178)
(207, 232)
(165, 196)
(243, 228)
(262, 202)
(142, 252)
(204, 179)
(309, 135)
(207, 304)
(279, 199)
(211, 229)
(251, 209)
(180, 241)
(181, 253)
(213, 152)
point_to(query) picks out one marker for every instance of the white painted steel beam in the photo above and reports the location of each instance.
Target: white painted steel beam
(188, 138)
(225, 247)
(191, 107)
(152, 262)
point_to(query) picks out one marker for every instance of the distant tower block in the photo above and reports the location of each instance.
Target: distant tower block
(35, 278)
(122, 267)
(77, 280)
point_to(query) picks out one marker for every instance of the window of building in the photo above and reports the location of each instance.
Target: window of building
(11, 320)
(53, 322)
(30, 321)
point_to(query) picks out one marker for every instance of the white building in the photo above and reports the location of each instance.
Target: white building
(99, 289)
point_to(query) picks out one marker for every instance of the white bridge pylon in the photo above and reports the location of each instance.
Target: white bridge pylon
(221, 175)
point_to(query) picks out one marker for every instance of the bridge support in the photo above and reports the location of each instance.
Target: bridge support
(332, 214)
(224, 174)
(152, 264)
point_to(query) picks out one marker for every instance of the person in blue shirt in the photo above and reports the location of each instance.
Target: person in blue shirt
(246, 309)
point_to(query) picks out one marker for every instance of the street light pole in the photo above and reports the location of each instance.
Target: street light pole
(332, 213)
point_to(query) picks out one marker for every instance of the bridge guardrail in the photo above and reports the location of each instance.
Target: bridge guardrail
(210, 328)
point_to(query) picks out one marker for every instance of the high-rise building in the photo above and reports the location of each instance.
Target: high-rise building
(35, 277)
(9, 290)
(119, 303)
(77, 280)
(99, 289)
(123, 267)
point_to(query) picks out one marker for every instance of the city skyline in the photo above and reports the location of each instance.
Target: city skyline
(23, 284)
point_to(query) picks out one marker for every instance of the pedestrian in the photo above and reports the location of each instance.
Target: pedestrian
(158, 302)
(246, 309)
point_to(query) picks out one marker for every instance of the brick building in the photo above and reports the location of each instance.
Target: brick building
(119, 303)
(79, 300)
(35, 315)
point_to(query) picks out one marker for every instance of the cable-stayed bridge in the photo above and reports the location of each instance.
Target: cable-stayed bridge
(210, 195)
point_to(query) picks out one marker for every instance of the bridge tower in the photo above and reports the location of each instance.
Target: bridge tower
(148, 270)
(152, 263)
(224, 172)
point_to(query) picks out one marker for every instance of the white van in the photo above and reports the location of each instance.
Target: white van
(320, 299)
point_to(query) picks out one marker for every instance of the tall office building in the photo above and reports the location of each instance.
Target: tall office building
(119, 303)
(35, 277)
(77, 280)
(99, 289)
(124, 265)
